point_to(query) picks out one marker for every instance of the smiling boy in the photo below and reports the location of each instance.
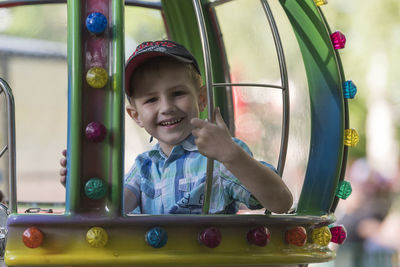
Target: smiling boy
(166, 96)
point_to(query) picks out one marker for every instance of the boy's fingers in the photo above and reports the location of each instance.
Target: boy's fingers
(63, 179)
(64, 152)
(63, 172)
(63, 162)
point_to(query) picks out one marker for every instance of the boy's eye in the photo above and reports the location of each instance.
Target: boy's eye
(179, 93)
(150, 100)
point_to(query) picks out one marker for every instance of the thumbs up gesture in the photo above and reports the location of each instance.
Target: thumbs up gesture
(214, 140)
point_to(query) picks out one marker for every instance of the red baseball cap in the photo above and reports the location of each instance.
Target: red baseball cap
(148, 50)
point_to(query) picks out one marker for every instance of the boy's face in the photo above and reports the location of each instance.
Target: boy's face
(164, 102)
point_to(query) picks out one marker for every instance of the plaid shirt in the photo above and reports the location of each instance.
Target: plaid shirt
(175, 184)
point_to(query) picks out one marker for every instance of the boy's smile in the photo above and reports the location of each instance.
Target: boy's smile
(163, 102)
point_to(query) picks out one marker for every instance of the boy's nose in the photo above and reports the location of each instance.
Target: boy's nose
(167, 106)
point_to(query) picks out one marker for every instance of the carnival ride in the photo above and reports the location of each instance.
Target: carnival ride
(94, 231)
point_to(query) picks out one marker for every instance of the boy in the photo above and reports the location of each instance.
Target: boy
(166, 95)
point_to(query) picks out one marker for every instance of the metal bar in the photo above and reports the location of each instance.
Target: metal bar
(210, 108)
(285, 85)
(249, 85)
(3, 151)
(11, 146)
(10, 3)
(219, 2)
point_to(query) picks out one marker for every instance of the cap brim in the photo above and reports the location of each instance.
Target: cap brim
(138, 60)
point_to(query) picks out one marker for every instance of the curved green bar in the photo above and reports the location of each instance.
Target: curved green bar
(183, 28)
(327, 107)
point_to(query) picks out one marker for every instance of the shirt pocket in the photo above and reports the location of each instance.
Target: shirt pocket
(188, 183)
(150, 189)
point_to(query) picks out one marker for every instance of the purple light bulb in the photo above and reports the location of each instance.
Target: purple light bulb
(95, 132)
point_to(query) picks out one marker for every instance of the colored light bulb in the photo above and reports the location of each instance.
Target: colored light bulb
(320, 2)
(351, 137)
(210, 237)
(296, 236)
(95, 132)
(259, 236)
(349, 89)
(97, 237)
(343, 190)
(156, 237)
(321, 236)
(96, 22)
(95, 188)
(339, 234)
(32, 237)
(97, 77)
(338, 40)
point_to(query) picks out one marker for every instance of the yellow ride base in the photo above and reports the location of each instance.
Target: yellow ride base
(65, 241)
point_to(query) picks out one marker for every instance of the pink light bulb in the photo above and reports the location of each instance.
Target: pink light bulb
(338, 40)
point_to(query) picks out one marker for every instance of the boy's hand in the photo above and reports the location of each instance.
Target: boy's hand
(63, 170)
(214, 140)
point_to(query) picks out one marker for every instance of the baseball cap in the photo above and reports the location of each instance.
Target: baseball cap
(148, 50)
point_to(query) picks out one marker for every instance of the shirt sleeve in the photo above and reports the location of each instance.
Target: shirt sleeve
(234, 189)
(132, 182)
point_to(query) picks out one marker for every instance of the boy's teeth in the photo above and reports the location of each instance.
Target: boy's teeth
(170, 122)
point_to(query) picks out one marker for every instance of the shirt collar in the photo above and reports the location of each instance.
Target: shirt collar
(188, 144)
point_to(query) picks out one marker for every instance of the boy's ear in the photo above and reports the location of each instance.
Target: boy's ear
(134, 114)
(202, 98)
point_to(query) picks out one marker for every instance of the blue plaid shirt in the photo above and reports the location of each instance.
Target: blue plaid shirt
(175, 184)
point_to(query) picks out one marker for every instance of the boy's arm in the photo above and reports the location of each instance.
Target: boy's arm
(215, 141)
(130, 201)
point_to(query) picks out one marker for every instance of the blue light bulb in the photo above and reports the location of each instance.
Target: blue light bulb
(96, 23)
(349, 89)
(156, 237)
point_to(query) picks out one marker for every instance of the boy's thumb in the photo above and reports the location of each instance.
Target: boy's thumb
(218, 117)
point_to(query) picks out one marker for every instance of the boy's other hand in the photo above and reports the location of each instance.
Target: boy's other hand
(214, 140)
(63, 170)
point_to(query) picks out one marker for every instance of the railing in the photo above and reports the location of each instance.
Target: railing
(10, 145)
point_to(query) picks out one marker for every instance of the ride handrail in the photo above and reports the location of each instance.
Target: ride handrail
(11, 145)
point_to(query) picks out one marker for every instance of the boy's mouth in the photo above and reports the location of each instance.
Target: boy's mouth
(170, 122)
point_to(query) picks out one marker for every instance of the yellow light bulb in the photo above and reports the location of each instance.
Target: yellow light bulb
(351, 137)
(321, 2)
(97, 77)
(97, 237)
(321, 236)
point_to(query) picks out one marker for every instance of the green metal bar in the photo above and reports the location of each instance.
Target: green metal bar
(74, 106)
(117, 86)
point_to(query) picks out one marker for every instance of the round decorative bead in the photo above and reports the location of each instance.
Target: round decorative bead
(259, 236)
(210, 237)
(95, 188)
(156, 237)
(296, 236)
(32, 237)
(321, 236)
(343, 190)
(97, 237)
(96, 23)
(349, 89)
(339, 234)
(351, 137)
(95, 132)
(320, 2)
(97, 77)
(338, 40)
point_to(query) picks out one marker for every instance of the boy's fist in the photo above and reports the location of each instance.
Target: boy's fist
(63, 170)
(214, 140)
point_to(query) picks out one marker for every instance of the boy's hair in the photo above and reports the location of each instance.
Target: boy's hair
(155, 64)
(150, 50)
